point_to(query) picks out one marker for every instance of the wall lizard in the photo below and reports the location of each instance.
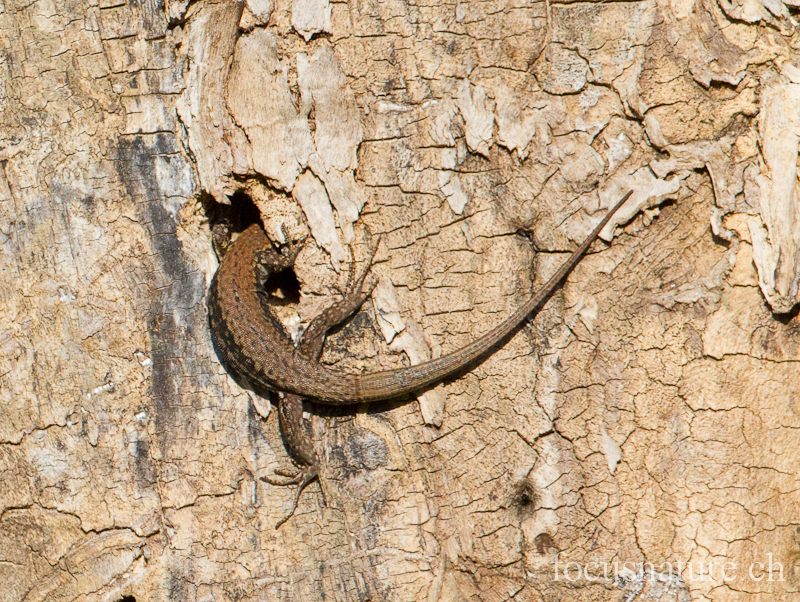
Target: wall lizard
(251, 341)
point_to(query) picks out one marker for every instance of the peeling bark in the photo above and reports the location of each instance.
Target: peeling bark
(637, 439)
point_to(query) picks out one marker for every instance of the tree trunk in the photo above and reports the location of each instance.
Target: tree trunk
(638, 437)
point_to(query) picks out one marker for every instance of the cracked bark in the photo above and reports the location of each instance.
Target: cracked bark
(647, 415)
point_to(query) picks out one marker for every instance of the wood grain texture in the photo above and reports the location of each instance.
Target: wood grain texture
(648, 413)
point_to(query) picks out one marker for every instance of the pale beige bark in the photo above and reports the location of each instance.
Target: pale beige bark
(649, 414)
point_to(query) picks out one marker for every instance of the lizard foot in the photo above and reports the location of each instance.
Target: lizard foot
(302, 479)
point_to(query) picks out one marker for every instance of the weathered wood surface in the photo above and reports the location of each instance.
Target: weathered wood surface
(649, 414)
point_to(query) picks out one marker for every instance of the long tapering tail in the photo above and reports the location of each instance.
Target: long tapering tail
(394, 383)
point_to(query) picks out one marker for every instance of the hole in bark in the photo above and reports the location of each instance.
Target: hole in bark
(526, 494)
(127, 599)
(785, 319)
(544, 542)
(283, 288)
(241, 213)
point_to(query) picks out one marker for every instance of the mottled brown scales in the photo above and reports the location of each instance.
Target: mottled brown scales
(245, 335)
(252, 342)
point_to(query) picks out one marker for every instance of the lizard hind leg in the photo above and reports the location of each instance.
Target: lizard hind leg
(297, 437)
(295, 432)
(302, 478)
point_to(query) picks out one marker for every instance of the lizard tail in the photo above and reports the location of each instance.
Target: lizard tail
(395, 383)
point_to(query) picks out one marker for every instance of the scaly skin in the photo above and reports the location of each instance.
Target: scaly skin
(251, 341)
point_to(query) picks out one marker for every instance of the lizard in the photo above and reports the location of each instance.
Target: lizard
(251, 341)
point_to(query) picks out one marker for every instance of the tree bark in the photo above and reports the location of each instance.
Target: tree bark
(637, 438)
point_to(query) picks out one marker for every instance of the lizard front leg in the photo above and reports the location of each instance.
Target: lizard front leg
(296, 433)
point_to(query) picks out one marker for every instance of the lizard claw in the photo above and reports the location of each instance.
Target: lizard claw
(302, 479)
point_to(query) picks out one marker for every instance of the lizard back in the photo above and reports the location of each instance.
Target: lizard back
(250, 339)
